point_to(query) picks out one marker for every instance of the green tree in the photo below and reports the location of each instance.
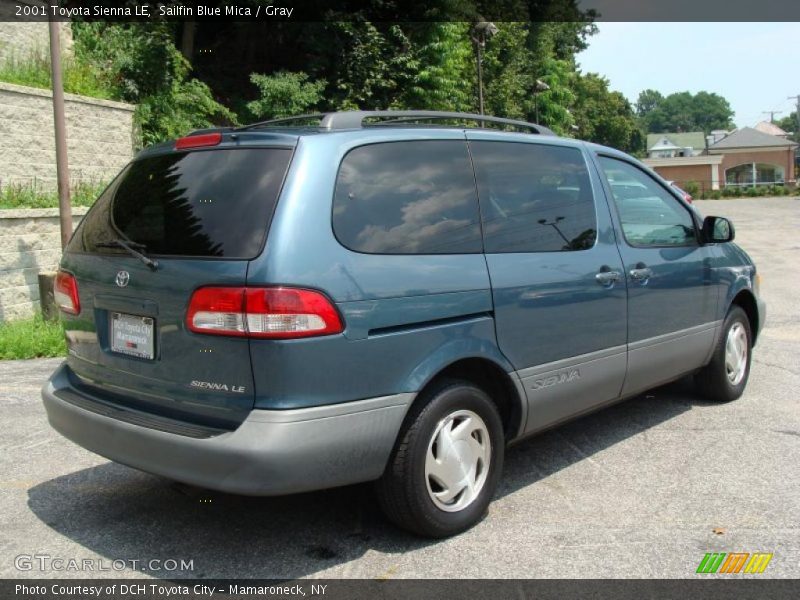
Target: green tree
(284, 94)
(790, 125)
(553, 104)
(445, 75)
(508, 76)
(519, 55)
(367, 64)
(711, 111)
(683, 111)
(604, 116)
(140, 64)
(648, 101)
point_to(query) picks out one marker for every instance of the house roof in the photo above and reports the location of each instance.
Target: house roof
(771, 129)
(664, 144)
(691, 139)
(748, 137)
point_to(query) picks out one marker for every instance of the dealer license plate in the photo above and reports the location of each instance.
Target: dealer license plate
(132, 335)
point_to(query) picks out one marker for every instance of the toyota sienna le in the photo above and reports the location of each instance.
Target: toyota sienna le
(339, 298)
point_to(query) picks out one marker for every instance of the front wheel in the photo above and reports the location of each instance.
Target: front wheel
(445, 467)
(725, 377)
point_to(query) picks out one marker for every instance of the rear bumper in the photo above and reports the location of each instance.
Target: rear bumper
(270, 453)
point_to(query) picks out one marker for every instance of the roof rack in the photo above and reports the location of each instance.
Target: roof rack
(356, 119)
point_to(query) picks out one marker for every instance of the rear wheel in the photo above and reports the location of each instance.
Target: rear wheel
(725, 377)
(444, 470)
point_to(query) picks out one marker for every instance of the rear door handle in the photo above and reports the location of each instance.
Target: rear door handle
(641, 273)
(607, 277)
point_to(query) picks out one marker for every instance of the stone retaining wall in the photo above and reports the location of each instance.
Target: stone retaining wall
(19, 38)
(100, 137)
(30, 242)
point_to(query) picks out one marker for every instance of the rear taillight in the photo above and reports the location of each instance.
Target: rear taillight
(65, 292)
(217, 310)
(277, 313)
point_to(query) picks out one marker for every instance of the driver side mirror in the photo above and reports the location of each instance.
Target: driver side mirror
(717, 230)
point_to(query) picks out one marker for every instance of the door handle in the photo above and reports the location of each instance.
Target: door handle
(607, 277)
(641, 273)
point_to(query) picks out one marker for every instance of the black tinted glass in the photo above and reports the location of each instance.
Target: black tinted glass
(534, 198)
(213, 204)
(407, 198)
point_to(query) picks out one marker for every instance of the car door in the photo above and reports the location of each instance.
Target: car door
(557, 283)
(671, 295)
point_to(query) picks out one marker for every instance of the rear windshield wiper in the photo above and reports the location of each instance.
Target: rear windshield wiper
(129, 246)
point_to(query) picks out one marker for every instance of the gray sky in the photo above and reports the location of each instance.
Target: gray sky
(753, 65)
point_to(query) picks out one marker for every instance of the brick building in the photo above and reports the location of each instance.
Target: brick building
(744, 158)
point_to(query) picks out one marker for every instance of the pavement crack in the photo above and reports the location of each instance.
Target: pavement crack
(775, 366)
(786, 432)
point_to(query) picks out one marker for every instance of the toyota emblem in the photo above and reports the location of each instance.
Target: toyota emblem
(123, 277)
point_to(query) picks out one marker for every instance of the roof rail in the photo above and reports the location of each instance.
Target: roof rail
(356, 119)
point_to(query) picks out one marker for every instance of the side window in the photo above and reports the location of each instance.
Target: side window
(407, 198)
(649, 214)
(534, 197)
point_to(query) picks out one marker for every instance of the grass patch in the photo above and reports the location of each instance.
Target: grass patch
(31, 338)
(33, 70)
(82, 193)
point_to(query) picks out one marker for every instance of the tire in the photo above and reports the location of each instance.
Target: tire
(719, 380)
(442, 436)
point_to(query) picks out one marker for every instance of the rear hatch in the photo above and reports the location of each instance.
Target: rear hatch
(201, 216)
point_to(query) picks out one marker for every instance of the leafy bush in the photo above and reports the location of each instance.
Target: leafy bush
(730, 192)
(755, 192)
(284, 94)
(715, 195)
(692, 188)
(34, 195)
(31, 338)
(777, 190)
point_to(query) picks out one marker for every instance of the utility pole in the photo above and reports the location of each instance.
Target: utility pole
(62, 167)
(480, 44)
(772, 114)
(482, 31)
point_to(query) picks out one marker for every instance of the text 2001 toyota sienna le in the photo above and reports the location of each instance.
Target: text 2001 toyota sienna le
(287, 307)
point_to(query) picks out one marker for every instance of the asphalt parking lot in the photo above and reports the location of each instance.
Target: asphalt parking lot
(642, 489)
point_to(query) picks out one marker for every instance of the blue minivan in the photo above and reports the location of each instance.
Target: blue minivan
(391, 296)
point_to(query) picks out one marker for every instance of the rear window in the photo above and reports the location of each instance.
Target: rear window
(407, 198)
(207, 204)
